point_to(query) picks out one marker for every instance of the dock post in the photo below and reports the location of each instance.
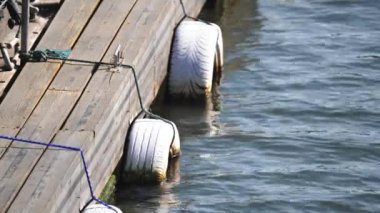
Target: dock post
(24, 27)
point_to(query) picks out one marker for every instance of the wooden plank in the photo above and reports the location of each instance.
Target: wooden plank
(109, 163)
(98, 93)
(32, 82)
(7, 131)
(19, 160)
(137, 38)
(34, 199)
(5, 78)
(42, 125)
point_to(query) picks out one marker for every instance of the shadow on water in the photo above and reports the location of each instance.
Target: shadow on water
(241, 22)
(237, 18)
(148, 198)
(192, 117)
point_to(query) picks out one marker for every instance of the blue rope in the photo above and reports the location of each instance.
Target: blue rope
(71, 148)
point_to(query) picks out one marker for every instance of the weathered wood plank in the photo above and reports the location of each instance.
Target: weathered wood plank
(19, 159)
(32, 82)
(5, 78)
(109, 163)
(32, 199)
(3, 142)
(99, 91)
(41, 125)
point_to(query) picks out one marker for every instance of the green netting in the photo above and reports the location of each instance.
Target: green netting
(45, 54)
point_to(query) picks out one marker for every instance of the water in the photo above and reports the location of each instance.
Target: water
(297, 125)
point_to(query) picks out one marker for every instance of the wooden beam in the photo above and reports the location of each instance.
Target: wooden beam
(32, 199)
(56, 104)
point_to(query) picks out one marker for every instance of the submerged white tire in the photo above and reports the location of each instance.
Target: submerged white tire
(151, 143)
(99, 208)
(196, 48)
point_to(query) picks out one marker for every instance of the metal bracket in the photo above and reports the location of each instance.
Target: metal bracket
(117, 59)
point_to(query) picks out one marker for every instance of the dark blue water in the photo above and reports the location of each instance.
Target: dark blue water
(297, 124)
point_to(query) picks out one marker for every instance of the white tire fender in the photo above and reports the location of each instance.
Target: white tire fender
(196, 50)
(150, 145)
(100, 208)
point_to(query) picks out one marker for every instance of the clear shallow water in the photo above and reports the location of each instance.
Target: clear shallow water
(297, 125)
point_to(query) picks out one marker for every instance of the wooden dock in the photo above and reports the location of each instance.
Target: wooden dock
(83, 105)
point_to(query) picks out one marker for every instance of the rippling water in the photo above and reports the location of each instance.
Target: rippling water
(297, 125)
